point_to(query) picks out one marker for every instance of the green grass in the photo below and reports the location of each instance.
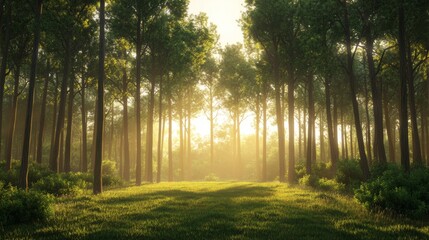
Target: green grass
(216, 210)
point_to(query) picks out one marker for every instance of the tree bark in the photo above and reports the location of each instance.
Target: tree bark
(11, 129)
(417, 152)
(159, 167)
(53, 163)
(67, 157)
(264, 135)
(310, 157)
(291, 121)
(389, 130)
(4, 63)
(149, 127)
(98, 184)
(84, 167)
(126, 144)
(257, 157)
(403, 115)
(170, 139)
(137, 108)
(333, 144)
(23, 173)
(42, 116)
(352, 80)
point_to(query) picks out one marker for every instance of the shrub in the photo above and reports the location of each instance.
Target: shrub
(349, 173)
(323, 170)
(18, 206)
(324, 184)
(61, 184)
(398, 192)
(211, 178)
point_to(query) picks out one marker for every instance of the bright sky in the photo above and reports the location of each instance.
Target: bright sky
(223, 13)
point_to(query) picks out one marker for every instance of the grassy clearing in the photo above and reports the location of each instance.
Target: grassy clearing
(215, 210)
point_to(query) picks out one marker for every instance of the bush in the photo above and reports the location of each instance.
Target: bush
(18, 206)
(61, 184)
(211, 178)
(398, 192)
(349, 173)
(324, 184)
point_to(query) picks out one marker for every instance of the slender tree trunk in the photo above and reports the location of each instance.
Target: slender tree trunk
(137, 107)
(352, 80)
(53, 163)
(4, 63)
(417, 152)
(126, 149)
(403, 115)
(189, 146)
(211, 129)
(84, 127)
(11, 130)
(352, 154)
(61, 153)
(170, 139)
(310, 157)
(264, 136)
(23, 173)
(239, 163)
(368, 123)
(42, 116)
(380, 153)
(322, 140)
(98, 184)
(291, 122)
(258, 118)
(333, 144)
(149, 132)
(67, 157)
(389, 130)
(54, 114)
(181, 133)
(300, 130)
(159, 167)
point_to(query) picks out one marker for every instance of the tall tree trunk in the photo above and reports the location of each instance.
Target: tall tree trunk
(54, 113)
(84, 167)
(239, 163)
(310, 157)
(380, 152)
(211, 128)
(61, 153)
(149, 132)
(170, 139)
(368, 121)
(23, 173)
(126, 144)
(300, 130)
(333, 144)
(264, 135)
(181, 133)
(417, 152)
(137, 108)
(67, 157)
(291, 122)
(53, 162)
(98, 184)
(189, 146)
(389, 130)
(11, 129)
(352, 80)
(4, 62)
(42, 116)
(322, 139)
(159, 167)
(258, 120)
(403, 115)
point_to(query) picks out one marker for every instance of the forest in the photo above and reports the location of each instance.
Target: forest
(129, 119)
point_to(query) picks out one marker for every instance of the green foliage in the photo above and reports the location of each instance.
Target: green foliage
(398, 192)
(18, 206)
(61, 184)
(110, 173)
(349, 173)
(324, 184)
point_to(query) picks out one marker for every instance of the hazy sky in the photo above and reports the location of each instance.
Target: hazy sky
(224, 14)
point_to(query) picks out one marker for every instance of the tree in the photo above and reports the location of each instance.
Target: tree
(98, 186)
(23, 174)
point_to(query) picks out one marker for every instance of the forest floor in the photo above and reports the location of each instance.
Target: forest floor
(216, 210)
